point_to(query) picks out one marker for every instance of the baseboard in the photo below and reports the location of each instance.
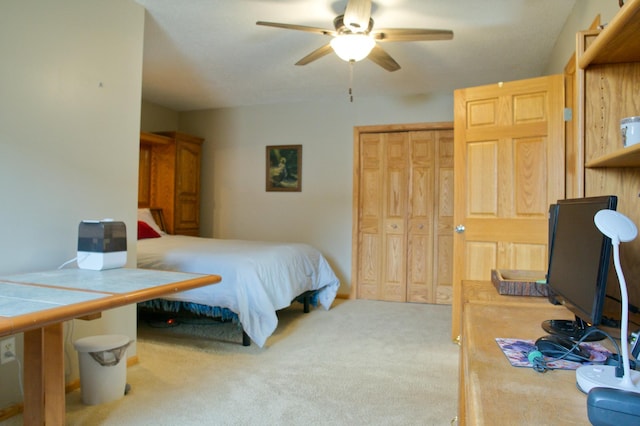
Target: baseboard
(14, 410)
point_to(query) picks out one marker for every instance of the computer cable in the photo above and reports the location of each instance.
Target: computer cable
(539, 364)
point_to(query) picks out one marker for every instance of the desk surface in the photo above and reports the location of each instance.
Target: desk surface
(29, 301)
(497, 392)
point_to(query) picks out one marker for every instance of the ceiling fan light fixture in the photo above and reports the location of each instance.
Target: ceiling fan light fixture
(352, 47)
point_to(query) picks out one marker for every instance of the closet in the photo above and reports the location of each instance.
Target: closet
(403, 213)
(169, 178)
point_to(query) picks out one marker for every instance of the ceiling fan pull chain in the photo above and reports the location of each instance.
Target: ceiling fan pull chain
(351, 64)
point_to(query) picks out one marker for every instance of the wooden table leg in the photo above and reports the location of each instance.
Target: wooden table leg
(44, 398)
(33, 379)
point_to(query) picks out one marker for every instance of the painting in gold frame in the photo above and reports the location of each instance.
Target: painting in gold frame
(284, 168)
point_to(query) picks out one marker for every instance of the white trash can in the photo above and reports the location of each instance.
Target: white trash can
(103, 367)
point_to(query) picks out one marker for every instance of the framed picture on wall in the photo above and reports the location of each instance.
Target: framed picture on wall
(284, 168)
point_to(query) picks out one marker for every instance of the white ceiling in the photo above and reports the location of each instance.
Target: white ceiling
(201, 54)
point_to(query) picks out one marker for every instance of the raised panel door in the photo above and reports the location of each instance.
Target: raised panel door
(509, 167)
(187, 204)
(144, 176)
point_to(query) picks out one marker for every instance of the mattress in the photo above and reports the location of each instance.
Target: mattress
(258, 278)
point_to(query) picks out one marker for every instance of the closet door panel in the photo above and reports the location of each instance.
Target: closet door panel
(395, 177)
(369, 247)
(443, 219)
(420, 217)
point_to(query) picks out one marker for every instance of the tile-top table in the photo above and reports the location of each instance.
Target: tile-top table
(38, 303)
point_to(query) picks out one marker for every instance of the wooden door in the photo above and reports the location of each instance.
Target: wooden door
(509, 166)
(402, 234)
(144, 176)
(187, 202)
(383, 207)
(430, 217)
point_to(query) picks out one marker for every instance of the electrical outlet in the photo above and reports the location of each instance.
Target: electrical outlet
(7, 350)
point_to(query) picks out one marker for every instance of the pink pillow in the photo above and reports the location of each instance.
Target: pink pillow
(145, 231)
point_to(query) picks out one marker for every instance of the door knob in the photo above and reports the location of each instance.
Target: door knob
(460, 229)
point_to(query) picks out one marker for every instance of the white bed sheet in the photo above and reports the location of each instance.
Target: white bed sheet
(258, 278)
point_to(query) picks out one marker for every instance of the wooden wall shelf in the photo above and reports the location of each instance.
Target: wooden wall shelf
(619, 41)
(625, 157)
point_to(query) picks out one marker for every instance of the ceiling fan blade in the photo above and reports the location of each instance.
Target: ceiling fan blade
(316, 54)
(411, 34)
(357, 14)
(382, 58)
(321, 31)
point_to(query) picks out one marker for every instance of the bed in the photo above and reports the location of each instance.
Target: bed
(258, 278)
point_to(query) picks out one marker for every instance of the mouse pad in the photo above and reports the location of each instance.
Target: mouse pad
(516, 351)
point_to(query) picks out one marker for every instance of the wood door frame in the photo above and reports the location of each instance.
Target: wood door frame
(357, 132)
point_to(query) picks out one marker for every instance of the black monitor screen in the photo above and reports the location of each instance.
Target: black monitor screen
(579, 257)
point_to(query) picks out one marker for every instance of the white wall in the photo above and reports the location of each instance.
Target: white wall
(155, 118)
(234, 201)
(69, 122)
(583, 14)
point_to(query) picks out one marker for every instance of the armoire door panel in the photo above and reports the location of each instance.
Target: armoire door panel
(144, 176)
(188, 162)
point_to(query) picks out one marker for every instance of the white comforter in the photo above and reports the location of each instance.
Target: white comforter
(258, 278)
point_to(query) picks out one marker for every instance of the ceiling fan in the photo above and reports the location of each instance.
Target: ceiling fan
(354, 36)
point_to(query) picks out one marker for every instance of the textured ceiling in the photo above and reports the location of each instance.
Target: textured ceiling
(201, 54)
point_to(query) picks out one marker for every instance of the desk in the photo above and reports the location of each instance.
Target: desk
(38, 304)
(491, 390)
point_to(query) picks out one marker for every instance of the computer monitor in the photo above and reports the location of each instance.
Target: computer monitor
(579, 259)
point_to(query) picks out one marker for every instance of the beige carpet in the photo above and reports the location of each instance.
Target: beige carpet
(361, 363)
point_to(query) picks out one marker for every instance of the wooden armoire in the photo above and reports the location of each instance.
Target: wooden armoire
(169, 178)
(403, 213)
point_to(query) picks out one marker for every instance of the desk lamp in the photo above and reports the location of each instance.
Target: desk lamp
(619, 228)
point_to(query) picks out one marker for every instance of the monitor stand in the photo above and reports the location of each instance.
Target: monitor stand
(575, 330)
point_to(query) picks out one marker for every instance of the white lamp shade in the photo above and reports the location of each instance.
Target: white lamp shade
(352, 47)
(616, 226)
